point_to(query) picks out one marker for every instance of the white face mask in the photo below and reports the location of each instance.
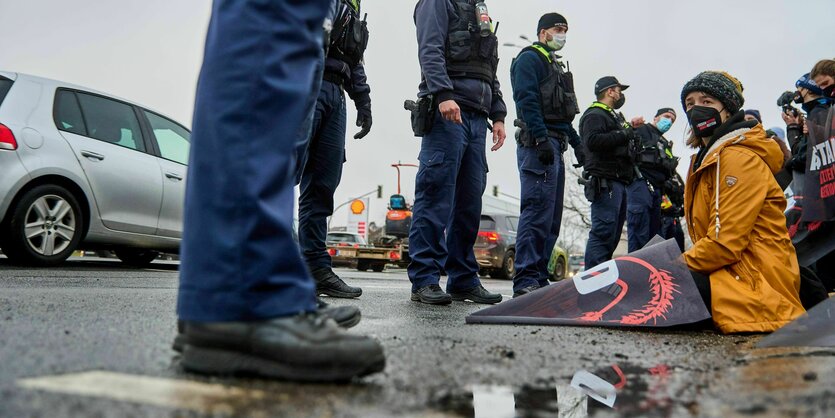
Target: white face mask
(557, 41)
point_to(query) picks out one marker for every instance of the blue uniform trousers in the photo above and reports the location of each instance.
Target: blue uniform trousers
(447, 211)
(608, 213)
(320, 166)
(239, 260)
(671, 228)
(543, 189)
(643, 214)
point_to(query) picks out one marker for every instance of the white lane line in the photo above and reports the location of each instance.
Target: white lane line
(167, 393)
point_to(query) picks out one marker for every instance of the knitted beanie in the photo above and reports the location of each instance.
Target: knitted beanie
(719, 84)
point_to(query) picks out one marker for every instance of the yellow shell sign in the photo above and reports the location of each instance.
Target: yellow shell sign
(357, 207)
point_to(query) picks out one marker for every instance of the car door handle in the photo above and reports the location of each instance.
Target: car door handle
(92, 155)
(175, 177)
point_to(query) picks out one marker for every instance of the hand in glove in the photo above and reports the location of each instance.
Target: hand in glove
(363, 120)
(545, 151)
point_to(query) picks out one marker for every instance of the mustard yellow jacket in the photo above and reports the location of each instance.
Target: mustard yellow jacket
(734, 210)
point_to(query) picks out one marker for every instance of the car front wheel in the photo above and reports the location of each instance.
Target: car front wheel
(559, 270)
(45, 227)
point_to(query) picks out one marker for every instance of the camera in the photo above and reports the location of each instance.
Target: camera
(785, 101)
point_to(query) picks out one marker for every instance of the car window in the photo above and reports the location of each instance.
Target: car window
(173, 140)
(111, 121)
(5, 86)
(513, 223)
(487, 224)
(68, 114)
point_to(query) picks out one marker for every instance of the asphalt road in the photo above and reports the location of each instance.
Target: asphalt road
(92, 338)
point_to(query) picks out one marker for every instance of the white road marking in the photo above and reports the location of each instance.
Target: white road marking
(167, 393)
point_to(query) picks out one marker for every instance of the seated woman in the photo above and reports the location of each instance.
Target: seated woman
(742, 258)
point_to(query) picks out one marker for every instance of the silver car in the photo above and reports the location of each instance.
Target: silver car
(81, 169)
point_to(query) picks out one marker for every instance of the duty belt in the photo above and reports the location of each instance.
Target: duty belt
(334, 78)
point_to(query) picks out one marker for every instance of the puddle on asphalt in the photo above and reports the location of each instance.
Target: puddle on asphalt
(625, 390)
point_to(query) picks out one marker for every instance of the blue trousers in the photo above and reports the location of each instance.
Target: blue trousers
(239, 261)
(643, 214)
(447, 211)
(608, 213)
(671, 228)
(543, 189)
(320, 167)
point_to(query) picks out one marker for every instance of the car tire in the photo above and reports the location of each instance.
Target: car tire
(45, 227)
(559, 270)
(136, 257)
(508, 268)
(378, 267)
(363, 265)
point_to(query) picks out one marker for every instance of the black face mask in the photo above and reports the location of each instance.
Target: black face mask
(829, 92)
(620, 102)
(798, 98)
(704, 120)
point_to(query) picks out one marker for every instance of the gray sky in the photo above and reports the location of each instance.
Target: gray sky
(149, 51)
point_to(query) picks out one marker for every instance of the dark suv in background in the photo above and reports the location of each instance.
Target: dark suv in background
(495, 248)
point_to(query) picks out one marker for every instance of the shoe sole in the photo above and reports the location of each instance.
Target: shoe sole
(418, 298)
(180, 340)
(462, 298)
(229, 363)
(337, 294)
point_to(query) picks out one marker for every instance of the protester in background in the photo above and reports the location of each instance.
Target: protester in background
(753, 114)
(246, 301)
(546, 105)
(815, 106)
(823, 75)
(742, 258)
(657, 164)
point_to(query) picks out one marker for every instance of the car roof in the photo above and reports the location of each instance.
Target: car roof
(61, 84)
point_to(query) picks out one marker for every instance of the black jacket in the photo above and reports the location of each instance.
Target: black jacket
(606, 145)
(798, 140)
(652, 140)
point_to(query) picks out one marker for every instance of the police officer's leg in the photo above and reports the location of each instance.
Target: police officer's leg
(241, 271)
(655, 213)
(461, 265)
(440, 158)
(306, 129)
(556, 218)
(619, 189)
(534, 220)
(605, 219)
(320, 178)
(639, 205)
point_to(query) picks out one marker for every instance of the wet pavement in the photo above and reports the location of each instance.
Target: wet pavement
(92, 338)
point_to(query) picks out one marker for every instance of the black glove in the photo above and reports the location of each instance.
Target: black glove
(545, 151)
(580, 156)
(363, 120)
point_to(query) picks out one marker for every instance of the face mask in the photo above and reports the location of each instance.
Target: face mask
(704, 120)
(829, 92)
(798, 98)
(664, 125)
(620, 102)
(556, 42)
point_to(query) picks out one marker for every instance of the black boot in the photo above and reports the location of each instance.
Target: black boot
(345, 316)
(432, 295)
(525, 290)
(305, 347)
(328, 283)
(477, 294)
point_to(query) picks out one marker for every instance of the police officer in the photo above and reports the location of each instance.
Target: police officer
(672, 209)
(609, 148)
(458, 55)
(245, 298)
(320, 163)
(545, 102)
(657, 165)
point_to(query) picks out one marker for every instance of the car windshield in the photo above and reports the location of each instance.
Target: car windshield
(487, 224)
(346, 239)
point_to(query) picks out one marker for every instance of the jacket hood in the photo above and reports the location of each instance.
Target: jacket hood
(753, 139)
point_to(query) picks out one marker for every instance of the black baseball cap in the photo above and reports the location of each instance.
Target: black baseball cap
(664, 110)
(606, 83)
(551, 20)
